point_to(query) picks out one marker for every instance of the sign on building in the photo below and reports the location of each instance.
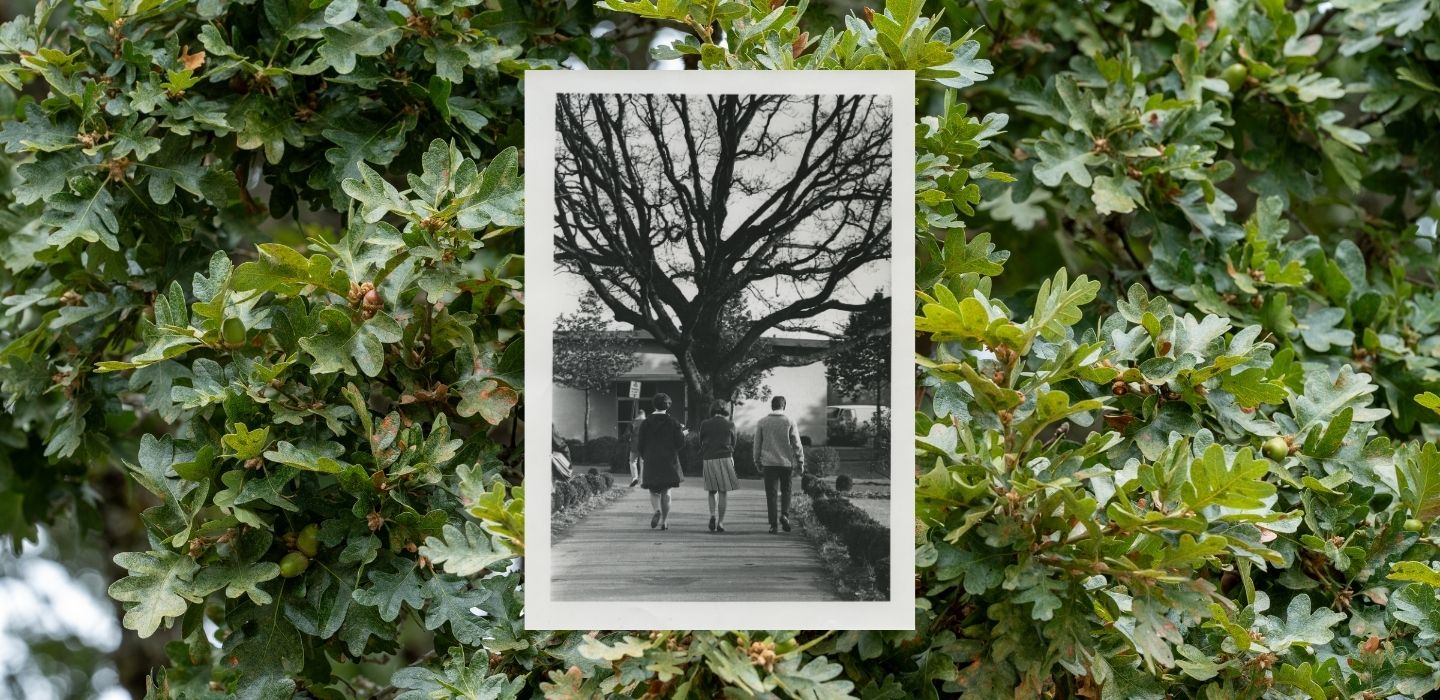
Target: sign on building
(634, 390)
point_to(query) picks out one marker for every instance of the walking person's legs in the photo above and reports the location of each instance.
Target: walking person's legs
(772, 483)
(720, 523)
(785, 498)
(665, 509)
(634, 472)
(655, 506)
(711, 497)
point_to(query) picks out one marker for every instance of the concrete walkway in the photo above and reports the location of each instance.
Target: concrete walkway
(614, 555)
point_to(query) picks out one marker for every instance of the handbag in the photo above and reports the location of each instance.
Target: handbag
(560, 466)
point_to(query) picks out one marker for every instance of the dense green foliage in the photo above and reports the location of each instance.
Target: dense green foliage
(263, 255)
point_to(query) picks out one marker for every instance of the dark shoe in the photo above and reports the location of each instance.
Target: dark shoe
(785, 523)
(664, 527)
(773, 530)
(712, 523)
(654, 520)
(719, 527)
(634, 483)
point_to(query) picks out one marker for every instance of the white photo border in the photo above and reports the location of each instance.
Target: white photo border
(541, 308)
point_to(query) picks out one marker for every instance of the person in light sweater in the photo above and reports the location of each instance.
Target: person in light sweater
(778, 454)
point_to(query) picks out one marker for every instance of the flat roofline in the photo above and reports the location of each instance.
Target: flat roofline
(778, 340)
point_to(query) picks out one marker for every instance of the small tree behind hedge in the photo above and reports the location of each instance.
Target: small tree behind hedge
(589, 355)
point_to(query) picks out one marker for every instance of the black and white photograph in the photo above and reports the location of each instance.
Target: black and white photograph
(717, 351)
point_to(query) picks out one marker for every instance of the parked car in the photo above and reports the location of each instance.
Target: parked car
(858, 412)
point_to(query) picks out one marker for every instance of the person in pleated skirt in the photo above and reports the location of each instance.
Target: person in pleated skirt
(717, 455)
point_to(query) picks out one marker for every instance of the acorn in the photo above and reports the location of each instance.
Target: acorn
(371, 302)
(233, 332)
(1234, 75)
(1276, 448)
(293, 564)
(308, 541)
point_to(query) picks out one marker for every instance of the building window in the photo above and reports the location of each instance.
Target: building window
(628, 407)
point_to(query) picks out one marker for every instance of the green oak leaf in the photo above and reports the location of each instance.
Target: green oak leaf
(457, 678)
(1418, 605)
(308, 456)
(450, 601)
(1071, 158)
(1318, 329)
(87, 215)
(1326, 394)
(159, 587)
(1115, 195)
(237, 580)
(373, 35)
(1237, 482)
(283, 270)
(487, 398)
(815, 678)
(1429, 400)
(977, 255)
(963, 69)
(244, 443)
(1057, 305)
(376, 196)
(464, 552)
(1415, 571)
(389, 590)
(1417, 469)
(497, 197)
(1303, 626)
(346, 345)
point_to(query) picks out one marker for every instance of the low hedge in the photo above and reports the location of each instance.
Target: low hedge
(568, 493)
(607, 450)
(866, 539)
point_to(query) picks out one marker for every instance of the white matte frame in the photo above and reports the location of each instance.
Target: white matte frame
(543, 613)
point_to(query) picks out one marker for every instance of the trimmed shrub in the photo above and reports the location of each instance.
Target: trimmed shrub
(568, 493)
(607, 450)
(690, 462)
(745, 457)
(866, 539)
(821, 460)
(841, 430)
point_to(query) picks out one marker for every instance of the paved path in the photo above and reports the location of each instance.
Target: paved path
(614, 555)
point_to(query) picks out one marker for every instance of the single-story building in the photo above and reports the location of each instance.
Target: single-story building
(806, 391)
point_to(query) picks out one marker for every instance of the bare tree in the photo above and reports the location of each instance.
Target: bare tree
(679, 210)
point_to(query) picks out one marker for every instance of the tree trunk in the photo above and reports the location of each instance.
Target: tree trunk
(697, 388)
(879, 386)
(586, 429)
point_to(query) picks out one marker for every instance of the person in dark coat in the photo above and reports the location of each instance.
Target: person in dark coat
(660, 440)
